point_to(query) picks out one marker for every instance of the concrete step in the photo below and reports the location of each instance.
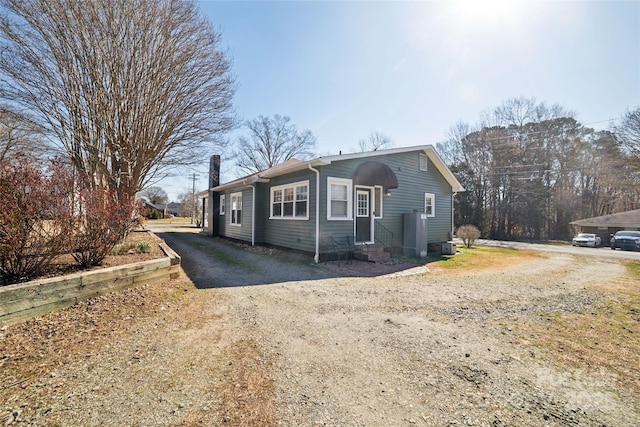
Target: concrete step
(372, 253)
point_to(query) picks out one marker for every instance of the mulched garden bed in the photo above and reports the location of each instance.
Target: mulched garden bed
(126, 253)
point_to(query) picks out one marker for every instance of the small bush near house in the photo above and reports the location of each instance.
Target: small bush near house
(469, 234)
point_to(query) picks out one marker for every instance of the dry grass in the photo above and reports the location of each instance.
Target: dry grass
(31, 349)
(247, 394)
(173, 220)
(482, 258)
(605, 341)
(34, 347)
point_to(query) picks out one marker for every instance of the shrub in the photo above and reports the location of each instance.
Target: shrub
(103, 219)
(155, 214)
(144, 247)
(125, 248)
(47, 213)
(469, 234)
(34, 219)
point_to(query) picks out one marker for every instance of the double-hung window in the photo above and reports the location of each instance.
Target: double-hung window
(339, 199)
(236, 209)
(222, 204)
(290, 201)
(430, 204)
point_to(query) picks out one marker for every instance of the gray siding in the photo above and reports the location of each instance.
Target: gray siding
(292, 233)
(242, 232)
(300, 234)
(412, 185)
(336, 228)
(262, 211)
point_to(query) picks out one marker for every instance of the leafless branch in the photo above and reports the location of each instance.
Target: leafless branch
(272, 140)
(126, 87)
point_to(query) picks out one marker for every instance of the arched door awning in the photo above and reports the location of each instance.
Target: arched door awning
(372, 173)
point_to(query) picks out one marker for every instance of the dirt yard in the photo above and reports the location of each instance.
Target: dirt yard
(266, 338)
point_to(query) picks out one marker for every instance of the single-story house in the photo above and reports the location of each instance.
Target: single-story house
(173, 208)
(606, 225)
(400, 198)
(152, 210)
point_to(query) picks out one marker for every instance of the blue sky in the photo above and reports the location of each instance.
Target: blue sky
(413, 69)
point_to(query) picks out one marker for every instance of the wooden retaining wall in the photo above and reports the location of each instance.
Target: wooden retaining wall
(29, 299)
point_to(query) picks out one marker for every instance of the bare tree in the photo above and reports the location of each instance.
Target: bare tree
(155, 195)
(628, 132)
(272, 140)
(375, 141)
(189, 206)
(126, 87)
(451, 150)
(518, 112)
(19, 137)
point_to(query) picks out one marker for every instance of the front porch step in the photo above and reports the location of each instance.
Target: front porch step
(372, 253)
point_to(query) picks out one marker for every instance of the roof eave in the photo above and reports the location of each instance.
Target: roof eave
(456, 186)
(429, 150)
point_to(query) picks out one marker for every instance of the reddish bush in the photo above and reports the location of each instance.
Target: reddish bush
(34, 218)
(102, 220)
(49, 213)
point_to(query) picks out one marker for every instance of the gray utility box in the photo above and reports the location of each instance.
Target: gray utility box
(415, 234)
(449, 248)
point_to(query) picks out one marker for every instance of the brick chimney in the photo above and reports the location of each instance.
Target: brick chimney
(213, 208)
(214, 171)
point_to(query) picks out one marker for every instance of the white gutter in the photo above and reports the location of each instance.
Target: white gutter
(253, 215)
(453, 226)
(316, 257)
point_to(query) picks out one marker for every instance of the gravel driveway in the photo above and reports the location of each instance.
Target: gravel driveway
(390, 346)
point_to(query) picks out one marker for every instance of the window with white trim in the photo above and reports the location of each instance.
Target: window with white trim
(377, 201)
(339, 199)
(290, 201)
(423, 162)
(430, 204)
(236, 209)
(362, 203)
(222, 204)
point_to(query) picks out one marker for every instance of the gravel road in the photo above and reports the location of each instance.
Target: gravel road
(601, 252)
(355, 345)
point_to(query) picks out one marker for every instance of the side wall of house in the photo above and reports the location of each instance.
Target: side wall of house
(336, 227)
(297, 234)
(242, 231)
(413, 183)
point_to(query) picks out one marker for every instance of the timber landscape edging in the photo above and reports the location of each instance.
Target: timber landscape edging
(37, 297)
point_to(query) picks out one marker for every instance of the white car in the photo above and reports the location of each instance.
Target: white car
(586, 239)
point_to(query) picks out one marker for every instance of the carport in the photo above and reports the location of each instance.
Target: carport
(606, 225)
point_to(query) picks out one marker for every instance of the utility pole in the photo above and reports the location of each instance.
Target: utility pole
(193, 196)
